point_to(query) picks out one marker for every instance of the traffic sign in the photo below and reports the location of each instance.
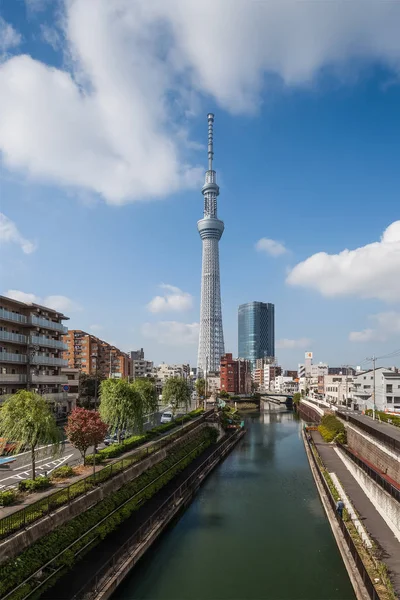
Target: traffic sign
(66, 388)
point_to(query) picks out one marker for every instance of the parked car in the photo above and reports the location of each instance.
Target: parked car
(111, 439)
(167, 417)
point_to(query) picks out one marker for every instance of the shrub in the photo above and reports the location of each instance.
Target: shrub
(331, 427)
(34, 485)
(62, 472)
(7, 497)
(341, 438)
(394, 420)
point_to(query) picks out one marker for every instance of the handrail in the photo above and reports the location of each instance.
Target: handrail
(64, 496)
(373, 473)
(380, 435)
(373, 594)
(90, 590)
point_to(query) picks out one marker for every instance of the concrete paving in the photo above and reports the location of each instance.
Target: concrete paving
(371, 519)
(386, 428)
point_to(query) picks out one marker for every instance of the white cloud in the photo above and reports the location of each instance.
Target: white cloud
(271, 247)
(59, 303)
(9, 37)
(96, 328)
(9, 233)
(387, 325)
(372, 271)
(174, 300)
(288, 344)
(138, 69)
(172, 333)
(50, 36)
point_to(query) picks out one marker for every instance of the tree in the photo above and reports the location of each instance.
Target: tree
(200, 387)
(296, 397)
(147, 391)
(121, 406)
(176, 392)
(84, 429)
(27, 420)
(224, 394)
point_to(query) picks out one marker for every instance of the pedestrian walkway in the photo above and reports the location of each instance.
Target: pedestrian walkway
(371, 519)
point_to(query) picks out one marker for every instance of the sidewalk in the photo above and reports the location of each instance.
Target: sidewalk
(369, 516)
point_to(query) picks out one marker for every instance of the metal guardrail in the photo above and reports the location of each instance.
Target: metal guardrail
(32, 512)
(379, 435)
(373, 594)
(373, 473)
(112, 566)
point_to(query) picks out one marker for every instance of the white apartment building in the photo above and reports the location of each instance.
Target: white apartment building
(285, 385)
(165, 371)
(338, 388)
(387, 389)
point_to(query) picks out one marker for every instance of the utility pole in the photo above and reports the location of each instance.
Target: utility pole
(373, 358)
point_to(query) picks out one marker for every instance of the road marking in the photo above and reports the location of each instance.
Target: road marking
(50, 466)
(29, 464)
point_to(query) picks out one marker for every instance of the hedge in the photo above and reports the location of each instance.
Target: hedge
(15, 571)
(62, 472)
(331, 427)
(395, 420)
(7, 497)
(34, 485)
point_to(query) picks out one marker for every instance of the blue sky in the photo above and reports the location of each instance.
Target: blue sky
(102, 144)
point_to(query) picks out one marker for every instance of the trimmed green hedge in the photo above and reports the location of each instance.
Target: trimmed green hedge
(34, 485)
(395, 420)
(131, 495)
(7, 497)
(62, 472)
(331, 427)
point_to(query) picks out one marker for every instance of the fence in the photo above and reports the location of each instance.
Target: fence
(373, 594)
(111, 567)
(32, 512)
(373, 473)
(373, 431)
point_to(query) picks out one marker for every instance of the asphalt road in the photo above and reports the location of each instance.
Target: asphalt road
(46, 463)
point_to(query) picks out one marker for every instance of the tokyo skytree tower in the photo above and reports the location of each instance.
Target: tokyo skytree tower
(211, 339)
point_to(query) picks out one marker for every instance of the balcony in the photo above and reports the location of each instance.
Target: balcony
(38, 359)
(46, 324)
(12, 358)
(17, 338)
(50, 379)
(7, 315)
(56, 397)
(43, 341)
(8, 378)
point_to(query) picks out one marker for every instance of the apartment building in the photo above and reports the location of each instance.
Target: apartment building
(235, 375)
(270, 374)
(139, 366)
(31, 349)
(387, 389)
(91, 355)
(285, 385)
(337, 389)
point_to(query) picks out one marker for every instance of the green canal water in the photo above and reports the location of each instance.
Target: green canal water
(256, 530)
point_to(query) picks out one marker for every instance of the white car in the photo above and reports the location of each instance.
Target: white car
(167, 417)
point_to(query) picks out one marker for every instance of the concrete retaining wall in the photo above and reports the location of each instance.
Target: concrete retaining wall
(377, 453)
(309, 413)
(388, 507)
(14, 545)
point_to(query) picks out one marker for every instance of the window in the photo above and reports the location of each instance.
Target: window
(367, 387)
(389, 399)
(396, 398)
(389, 388)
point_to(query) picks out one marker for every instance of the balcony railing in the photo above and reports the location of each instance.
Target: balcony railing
(12, 378)
(49, 379)
(10, 316)
(46, 323)
(38, 359)
(56, 397)
(10, 357)
(43, 341)
(6, 336)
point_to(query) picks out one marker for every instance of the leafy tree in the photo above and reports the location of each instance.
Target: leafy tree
(176, 392)
(121, 406)
(296, 397)
(84, 429)
(224, 394)
(147, 391)
(26, 419)
(200, 387)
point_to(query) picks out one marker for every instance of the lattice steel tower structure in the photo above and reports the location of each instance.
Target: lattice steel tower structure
(211, 339)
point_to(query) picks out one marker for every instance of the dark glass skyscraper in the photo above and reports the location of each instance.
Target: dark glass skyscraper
(256, 327)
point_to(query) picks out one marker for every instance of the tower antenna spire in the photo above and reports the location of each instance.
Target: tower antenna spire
(210, 118)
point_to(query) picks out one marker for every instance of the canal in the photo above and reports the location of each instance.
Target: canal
(256, 530)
